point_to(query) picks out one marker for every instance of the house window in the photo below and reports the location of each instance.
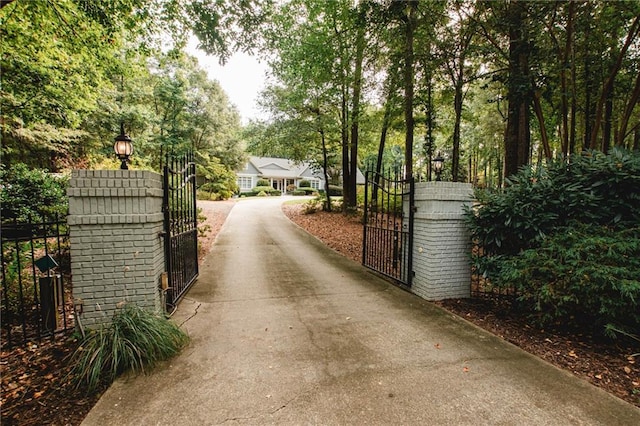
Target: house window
(315, 184)
(245, 183)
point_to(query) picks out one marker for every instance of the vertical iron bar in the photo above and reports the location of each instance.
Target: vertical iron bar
(412, 185)
(364, 220)
(20, 292)
(35, 284)
(5, 289)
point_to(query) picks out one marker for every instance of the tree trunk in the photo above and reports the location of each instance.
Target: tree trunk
(325, 167)
(606, 129)
(543, 130)
(355, 117)
(517, 135)
(628, 111)
(457, 106)
(608, 85)
(346, 175)
(408, 87)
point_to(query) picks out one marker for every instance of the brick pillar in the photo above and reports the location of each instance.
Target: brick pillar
(115, 221)
(441, 242)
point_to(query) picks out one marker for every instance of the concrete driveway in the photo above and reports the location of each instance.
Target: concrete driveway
(285, 331)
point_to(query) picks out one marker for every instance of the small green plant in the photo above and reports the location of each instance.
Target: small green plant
(136, 340)
(263, 182)
(305, 184)
(262, 194)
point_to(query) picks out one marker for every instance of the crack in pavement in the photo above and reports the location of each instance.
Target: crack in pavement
(195, 312)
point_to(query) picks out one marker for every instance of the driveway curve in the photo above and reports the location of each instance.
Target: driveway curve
(285, 331)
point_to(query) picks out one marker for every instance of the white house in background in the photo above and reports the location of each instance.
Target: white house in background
(280, 173)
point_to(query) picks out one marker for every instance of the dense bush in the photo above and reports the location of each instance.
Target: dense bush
(30, 194)
(335, 191)
(298, 192)
(214, 191)
(305, 184)
(267, 189)
(566, 238)
(590, 272)
(593, 188)
(219, 181)
(263, 182)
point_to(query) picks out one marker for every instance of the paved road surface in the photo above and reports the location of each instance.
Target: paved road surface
(285, 331)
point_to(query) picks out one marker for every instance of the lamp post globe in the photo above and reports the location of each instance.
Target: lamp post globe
(123, 147)
(438, 165)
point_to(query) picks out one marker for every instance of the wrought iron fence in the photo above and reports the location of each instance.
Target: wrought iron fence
(35, 299)
(481, 286)
(181, 226)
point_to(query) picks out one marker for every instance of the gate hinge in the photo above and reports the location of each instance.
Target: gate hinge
(414, 209)
(162, 234)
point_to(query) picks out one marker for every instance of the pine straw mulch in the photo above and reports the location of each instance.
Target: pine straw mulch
(611, 365)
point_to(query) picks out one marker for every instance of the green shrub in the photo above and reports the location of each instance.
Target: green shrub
(29, 194)
(308, 191)
(298, 192)
(593, 188)
(266, 189)
(566, 238)
(262, 194)
(305, 184)
(335, 191)
(263, 182)
(590, 272)
(135, 341)
(214, 191)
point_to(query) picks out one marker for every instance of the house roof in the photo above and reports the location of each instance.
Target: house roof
(281, 168)
(277, 167)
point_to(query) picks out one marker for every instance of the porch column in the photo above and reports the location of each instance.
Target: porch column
(115, 222)
(441, 242)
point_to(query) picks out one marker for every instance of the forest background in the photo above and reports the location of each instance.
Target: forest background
(493, 86)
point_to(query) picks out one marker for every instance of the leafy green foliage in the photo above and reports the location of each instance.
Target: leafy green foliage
(592, 188)
(263, 182)
(589, 272)
(29, 195)
(136, 340)
(567, 238)
(305, 184)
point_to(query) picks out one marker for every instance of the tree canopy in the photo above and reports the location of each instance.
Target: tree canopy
(73, 71)
(494, 86)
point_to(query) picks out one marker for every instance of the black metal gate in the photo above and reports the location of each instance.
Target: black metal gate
(388, 226)
(181, 226)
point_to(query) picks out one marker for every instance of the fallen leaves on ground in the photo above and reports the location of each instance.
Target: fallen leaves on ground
(37, 388)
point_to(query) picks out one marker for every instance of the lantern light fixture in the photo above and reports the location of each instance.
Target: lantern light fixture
(123, 147)
(438, 165)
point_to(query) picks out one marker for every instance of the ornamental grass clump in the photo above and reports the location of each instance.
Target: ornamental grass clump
(135, 341)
